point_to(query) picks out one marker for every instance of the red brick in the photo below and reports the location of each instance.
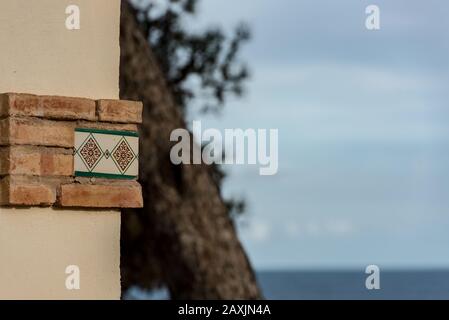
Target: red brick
(128, 195)
(20, 191)
(4, 132)
(36, 158)
(56, 164)
(36, 161)
(40, 132)
(119, 111)
(4, 161)
(50, 107)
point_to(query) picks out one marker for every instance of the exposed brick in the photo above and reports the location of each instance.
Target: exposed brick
(4, 161)
(4, 105)
(4, 189)
(37, 136)
(26, 131)
(23, 163)
(4, 132)
(119, 111)
(36, 161)
(21, 191)
(40, 132)
(20, 104)
(50, 107)
(56, 164)
(31, 195)
(101, 196)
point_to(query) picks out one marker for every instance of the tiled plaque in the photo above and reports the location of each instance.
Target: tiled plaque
(106, 154)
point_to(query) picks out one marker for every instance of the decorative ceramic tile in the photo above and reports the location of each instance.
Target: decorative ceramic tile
(106, 154)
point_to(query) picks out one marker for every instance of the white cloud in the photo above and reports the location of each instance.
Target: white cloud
(259, 231)
(340, 227)
(329, 76)
(319, 228)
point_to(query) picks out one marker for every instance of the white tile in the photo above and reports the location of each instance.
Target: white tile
(107, 154)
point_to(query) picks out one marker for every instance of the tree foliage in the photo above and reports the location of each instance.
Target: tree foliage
(200, 66)
(183, 238)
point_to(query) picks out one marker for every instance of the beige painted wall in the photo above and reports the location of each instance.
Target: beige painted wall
(39, 55)
(37, 245)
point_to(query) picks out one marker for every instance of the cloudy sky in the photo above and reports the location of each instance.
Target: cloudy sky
(363, 132)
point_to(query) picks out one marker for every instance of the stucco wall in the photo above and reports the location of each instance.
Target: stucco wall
(39, 55)
(37, 245)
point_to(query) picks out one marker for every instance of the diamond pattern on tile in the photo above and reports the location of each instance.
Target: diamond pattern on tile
(123, 155)
(94, 158)
(91, 152)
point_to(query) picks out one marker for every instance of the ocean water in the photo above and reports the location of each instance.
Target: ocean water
(338, 285)
(348, 285)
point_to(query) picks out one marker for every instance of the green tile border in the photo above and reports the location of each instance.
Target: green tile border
(104, 175)
(112, 132)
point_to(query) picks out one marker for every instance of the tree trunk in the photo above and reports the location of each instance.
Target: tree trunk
(184, 237)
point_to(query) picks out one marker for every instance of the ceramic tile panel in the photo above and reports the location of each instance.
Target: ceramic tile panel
(106, 154)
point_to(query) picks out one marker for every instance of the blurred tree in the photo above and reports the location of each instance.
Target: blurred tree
(199, 65)
(184, 237)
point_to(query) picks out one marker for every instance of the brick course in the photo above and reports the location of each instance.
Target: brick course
(21, 191)
(101, 196)
(49, 107)
(120, 111)
(39, 132)
(36, 161)
(37, 145)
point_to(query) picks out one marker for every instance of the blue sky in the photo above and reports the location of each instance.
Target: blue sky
(363, 132)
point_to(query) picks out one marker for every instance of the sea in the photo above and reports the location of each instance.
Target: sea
(339, 285)
(350, 285)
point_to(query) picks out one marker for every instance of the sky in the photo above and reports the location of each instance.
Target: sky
(363, 132)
